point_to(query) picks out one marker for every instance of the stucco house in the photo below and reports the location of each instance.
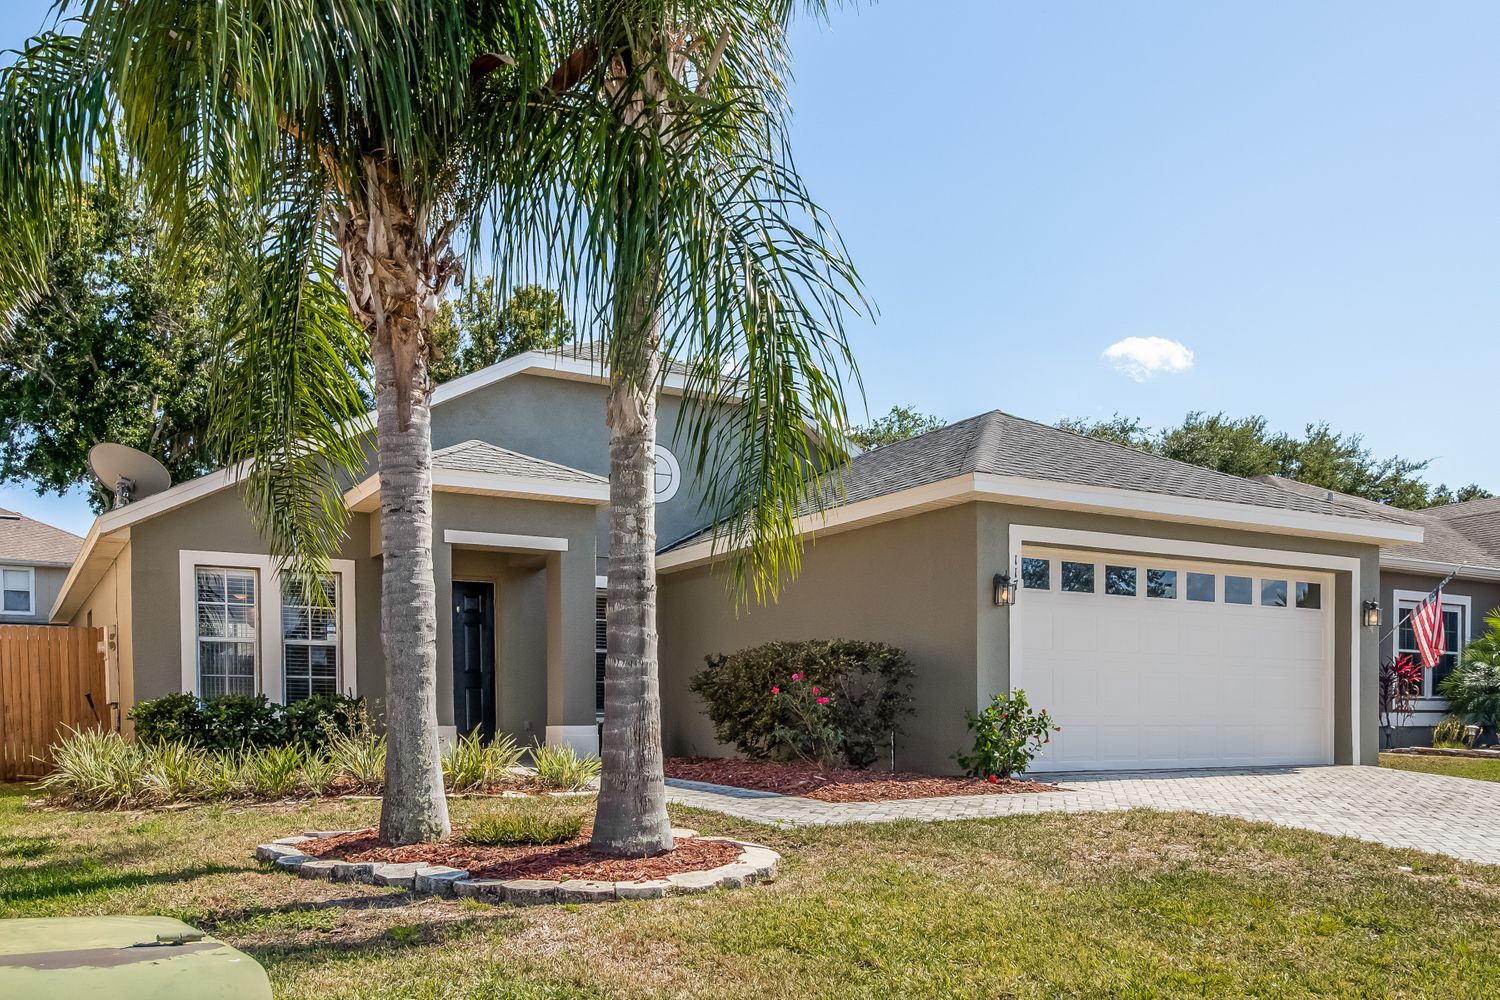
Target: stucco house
(34, 561)
(1167, 615)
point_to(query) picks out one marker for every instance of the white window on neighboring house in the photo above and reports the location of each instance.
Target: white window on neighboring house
(668, 475)
(309, 640)
(227, 631)
(20, 590)
(1455, 637)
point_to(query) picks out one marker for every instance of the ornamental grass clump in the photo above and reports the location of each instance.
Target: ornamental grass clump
(272, 772)
(1008, 734)
(560, 768)
(472, 764)
(359, 757)
(524, 824)
(96, 770)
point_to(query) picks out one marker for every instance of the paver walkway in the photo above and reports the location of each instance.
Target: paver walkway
(1459, 817)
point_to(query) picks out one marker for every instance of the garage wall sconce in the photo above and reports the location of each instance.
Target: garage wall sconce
(1005, 591)
(1371, 616)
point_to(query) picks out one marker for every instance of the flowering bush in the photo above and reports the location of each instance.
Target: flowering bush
(804, 722)
(868, 685)
(1008, 733)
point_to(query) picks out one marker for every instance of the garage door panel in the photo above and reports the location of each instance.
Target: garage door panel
(1156, 682)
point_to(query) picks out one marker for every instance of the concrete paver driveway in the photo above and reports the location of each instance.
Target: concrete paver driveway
(1459, 817)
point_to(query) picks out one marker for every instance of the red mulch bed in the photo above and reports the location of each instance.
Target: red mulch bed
(837, 784)
(570, 860)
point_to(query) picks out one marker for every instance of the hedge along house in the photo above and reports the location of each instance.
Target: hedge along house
(520, 542)
(1166, 615)
(1462, 539)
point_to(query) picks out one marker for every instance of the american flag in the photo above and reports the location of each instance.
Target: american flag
(1427, 626)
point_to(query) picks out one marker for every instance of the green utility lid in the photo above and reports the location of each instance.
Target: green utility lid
(123, 958)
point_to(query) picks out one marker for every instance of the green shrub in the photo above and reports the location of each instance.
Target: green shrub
(1450, 734)
(175, 718)
(524, 824)
(804, 722)
(314, 721)
(868, 683)
(242, 722)
(1473, 688)
(1008, 733)
(560, 767)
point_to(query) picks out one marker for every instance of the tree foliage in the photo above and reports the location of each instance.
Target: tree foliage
(1247, 447)
(901, 423)
(475, 330)
(117, 347)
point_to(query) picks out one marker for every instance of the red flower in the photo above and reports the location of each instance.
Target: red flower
(994, 780)
(776, 690)
(815, 690)
(822, 701)
(1057, 729)
(796, 677)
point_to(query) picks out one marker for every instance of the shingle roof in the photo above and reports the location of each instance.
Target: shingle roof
(1446, 538)
(1001, 444)
(1477, 520)
(481, 456)
(25, 540)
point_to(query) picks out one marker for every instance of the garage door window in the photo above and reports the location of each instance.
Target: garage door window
(1161, 583)
(1273, 593)
(1201, 587)
(1239, 590)
(1036, 574)
(1077, 577)
(1310, 595)
(1119, 581)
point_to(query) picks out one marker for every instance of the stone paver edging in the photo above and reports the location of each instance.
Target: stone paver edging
(755, 863)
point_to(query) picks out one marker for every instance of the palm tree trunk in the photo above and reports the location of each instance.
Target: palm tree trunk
(413, 807)
(632, 813)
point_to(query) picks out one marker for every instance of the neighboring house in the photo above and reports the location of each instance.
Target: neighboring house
(520, 547)
(1166, 615)
(1462, 537)
(34, 560)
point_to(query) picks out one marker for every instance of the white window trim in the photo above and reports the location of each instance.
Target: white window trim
(30, 572)
(269, 677)
(1187, 553)
(1464, 605)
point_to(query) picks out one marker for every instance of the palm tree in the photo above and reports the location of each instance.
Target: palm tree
(699, 236)
(336, 150)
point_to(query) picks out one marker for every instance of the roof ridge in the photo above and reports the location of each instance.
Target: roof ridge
(990, 433)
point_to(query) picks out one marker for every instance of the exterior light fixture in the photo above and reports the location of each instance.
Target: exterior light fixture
(1005, 591)
(1371, 617)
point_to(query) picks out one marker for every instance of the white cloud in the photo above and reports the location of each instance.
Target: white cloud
(1143, 357)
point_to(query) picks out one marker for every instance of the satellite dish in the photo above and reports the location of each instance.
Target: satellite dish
(129, 474)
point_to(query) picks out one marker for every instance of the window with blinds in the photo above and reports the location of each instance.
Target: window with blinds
(600, 645)
(227, 626)
(309, 640)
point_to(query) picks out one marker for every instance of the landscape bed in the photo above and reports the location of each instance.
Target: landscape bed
(839, 784)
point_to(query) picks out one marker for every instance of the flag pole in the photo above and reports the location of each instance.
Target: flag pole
(1438, 589)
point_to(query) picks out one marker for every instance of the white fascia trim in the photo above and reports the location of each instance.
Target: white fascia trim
(1432, 567)
(97, 553)
(1043, 493)
(1159, 506)
(269, 680)
(1022, 534)
(365, 497)
(504, 542)
(538, 362)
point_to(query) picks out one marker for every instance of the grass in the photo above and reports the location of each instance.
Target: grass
(512, 824)
(1133, 904)
(1477, 768)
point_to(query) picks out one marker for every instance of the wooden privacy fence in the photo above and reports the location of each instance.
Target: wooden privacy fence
(47, 678)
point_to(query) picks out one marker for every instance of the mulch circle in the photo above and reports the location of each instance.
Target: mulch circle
(566, 861)
(835, 784)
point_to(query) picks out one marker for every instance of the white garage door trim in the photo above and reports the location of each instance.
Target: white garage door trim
(1024, 534)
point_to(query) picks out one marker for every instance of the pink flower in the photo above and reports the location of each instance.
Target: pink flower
(815, 690)
(994, 780)
(796, 677)
(776, 690)
(1057, 729)
(822, 701)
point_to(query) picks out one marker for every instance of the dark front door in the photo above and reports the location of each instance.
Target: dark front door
(474, 658)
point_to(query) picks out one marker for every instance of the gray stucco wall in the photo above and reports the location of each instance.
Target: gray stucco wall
(562, 420)
(909, 583)
(924, 583)
(220, 523)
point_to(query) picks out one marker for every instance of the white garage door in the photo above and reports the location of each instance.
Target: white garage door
(1159, 663)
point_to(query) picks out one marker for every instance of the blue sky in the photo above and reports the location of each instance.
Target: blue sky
(1305, 196)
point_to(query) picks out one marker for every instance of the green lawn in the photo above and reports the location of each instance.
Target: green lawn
(1125, 905)
(1458, 767)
